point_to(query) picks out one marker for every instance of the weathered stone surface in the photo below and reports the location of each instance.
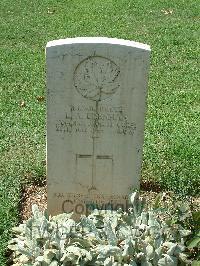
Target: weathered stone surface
(96, 89)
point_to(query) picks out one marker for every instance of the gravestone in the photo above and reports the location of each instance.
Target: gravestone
(97, 89)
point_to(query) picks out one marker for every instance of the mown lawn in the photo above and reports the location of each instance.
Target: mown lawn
(172, 132)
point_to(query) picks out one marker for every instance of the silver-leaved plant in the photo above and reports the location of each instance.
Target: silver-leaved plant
(136, 237)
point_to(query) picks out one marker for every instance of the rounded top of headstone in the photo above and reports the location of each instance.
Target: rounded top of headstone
(95, 40)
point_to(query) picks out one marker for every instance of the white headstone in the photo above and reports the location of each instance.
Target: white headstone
(97, 89)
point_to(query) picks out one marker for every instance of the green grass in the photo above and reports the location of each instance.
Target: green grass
(172, 132)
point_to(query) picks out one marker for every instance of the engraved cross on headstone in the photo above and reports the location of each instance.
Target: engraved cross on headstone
(96, 78)
(106, 162)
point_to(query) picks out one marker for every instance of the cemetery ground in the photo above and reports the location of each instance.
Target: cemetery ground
(171, 147)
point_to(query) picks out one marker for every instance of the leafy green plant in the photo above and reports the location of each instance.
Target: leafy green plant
(181, 211)
(136, 237)
(193, 242)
